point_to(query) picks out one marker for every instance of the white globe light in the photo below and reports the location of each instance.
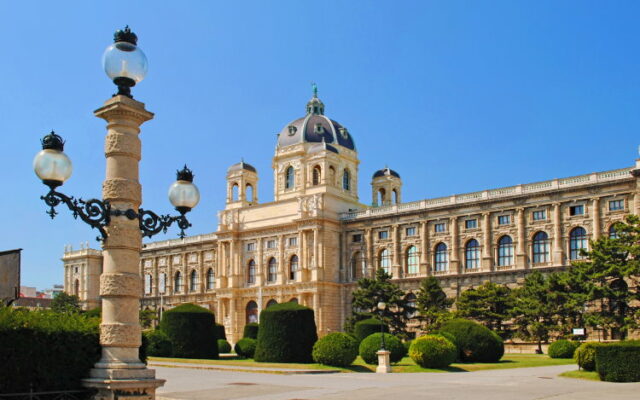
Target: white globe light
(124, 60)
(184, 194)
(52, 166)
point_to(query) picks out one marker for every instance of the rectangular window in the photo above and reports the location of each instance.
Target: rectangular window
(271, 244)
(439, 227)
(383, 234)
(616, 205)
(504, 219)
(251, 246)
(411, 231)
(576, 210)
(539, 215)
(356, 238)
(293, 241)
(471, 223)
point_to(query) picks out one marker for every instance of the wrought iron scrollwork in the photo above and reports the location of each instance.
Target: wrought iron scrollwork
(97, 214)
(93, 212)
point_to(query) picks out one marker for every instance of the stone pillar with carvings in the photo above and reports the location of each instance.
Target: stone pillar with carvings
(487, 250)
(454, 259)
(521, 248)
(283, 265)
(260, 273)
(558, 253)
(424, 254)
(396, 267)
(370, 273)
(119, 372)
(595, 212)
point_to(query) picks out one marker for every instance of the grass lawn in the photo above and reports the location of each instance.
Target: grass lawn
(590, 375)
(405, 365)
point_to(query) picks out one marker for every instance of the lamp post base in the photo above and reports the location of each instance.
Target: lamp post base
(123, 383)
(384, 362)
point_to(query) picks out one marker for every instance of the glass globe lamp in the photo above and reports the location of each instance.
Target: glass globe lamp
(183, 194)
(51, 165)
(123, 61)
(382, 306)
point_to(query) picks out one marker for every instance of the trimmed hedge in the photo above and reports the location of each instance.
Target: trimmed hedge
(585, 355)
(618, 362)
(191, 330)
(367, 327)
(220, 333)
(475, 342)
(562, 348)
(245, 347)
(337, 349)
(223, 346)
(372, 343)
(287, 334)
(251, 330)
(158, 343)
(433, 351)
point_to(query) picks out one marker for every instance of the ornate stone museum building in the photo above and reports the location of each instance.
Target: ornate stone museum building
(316, 239)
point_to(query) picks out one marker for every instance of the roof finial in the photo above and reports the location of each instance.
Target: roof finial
(315, 89)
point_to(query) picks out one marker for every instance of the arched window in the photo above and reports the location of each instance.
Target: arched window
(251, 312)
(273, 270)
(472, 254)
(577, 241)
(441, 257)
(289, 178)
(540, 248)
(294, 268)
(294, 300)
(411, 306)
(177, 282)
(382, 197)
(385, 260)
(76, 287)
(193, 281)
(147, 283)
(316, 175)
(211, 279)
(505, 251)
(412, 260)
(234, 192)
(162, 283)
(613, 234)
(346, 180)
(271, 302)
(248, 193)
(251, 272)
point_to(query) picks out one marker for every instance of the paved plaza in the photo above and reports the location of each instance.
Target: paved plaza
(523, 383)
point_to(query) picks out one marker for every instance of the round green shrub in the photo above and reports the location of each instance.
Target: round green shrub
(287, 334)
(223, 346)
(158, 344)
(371, 344)
(433, 351)
(245, 347)
(366, 327)
(337, 349)
(251, 330)
(220, 333)
(563, 348)
(407, 346)
(585, 355)
(449, 337)
(475, 342)
(191, 330)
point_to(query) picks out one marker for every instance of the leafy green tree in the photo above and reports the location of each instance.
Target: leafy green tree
(489, 304)
(608, 279)
(65, 303)
(432, 303)
(372, 291)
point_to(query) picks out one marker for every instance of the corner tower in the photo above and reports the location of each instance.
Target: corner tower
(315, 155)
(386, 187)
(242, 185)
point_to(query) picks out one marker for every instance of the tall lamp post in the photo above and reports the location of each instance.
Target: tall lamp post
(384, 355)
(121, 222)
(382, 306)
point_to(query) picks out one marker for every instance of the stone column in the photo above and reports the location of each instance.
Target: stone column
(454, 260)
(424, 254)
(521, 247)
(597, 229)
(369, 257)
(487, 251)
(283, 265)
(558, 252)
(396, 270)
(260, 274)
(119, 373)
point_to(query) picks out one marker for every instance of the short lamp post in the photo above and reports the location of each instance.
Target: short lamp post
(120, 221)
(382, 306)
(384, 359)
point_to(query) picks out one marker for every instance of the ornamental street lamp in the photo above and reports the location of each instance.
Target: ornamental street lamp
(120, 220)
(382, 306)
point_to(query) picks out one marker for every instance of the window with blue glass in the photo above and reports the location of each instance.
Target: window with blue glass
(576, 210)
(346, 180)
(411, 231)
(471, 223)
(383, 234)
(539, 215)
(540, 248)
(615, 205)
(289, 178)
(613, 234)
(577, 241)
(412, 260)
(505, 251)
(272, 270)
(504, 219)
(472, 254)
(251, 272)
(439, 227)
(385, 260)
(441, 257)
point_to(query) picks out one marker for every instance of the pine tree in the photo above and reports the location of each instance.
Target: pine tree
(433, 304)
(489, 304)
(372, 291)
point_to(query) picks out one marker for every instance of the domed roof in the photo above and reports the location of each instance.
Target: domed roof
(386, 171)
(241, 166)
(315, 127)
(322, 146)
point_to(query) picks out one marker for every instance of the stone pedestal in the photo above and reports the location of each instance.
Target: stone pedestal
(119, 374)
(384, 362)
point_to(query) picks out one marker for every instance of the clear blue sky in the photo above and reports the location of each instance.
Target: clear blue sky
(455, 96)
